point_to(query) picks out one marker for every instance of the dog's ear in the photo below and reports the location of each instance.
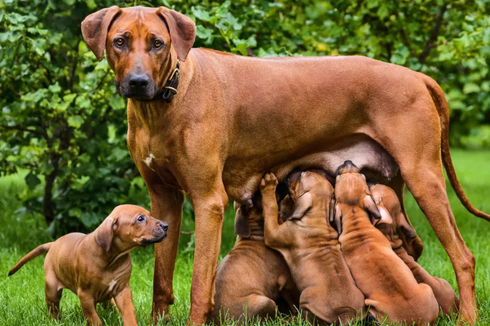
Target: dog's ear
(301, 205)
(95, 27)
(385, 216)
(182, 31)
(370, 206)
(105, 233)
(406, 228)
(241, 223)
(338, 219)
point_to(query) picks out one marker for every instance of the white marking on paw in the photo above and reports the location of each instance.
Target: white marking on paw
(111, 285)
(149, 159)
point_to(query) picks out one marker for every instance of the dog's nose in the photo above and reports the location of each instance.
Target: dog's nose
(139, 81)
(163, 226)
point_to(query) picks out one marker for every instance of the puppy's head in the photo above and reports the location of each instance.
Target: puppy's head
(351, 189)
(128, 227)
(393, 222)
(246, 216)
(304, 187)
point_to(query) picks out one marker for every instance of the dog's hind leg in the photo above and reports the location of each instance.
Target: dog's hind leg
(53, 292)
(259, 305)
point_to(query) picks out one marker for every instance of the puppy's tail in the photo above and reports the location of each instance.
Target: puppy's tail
(41, 250)
(442, 108)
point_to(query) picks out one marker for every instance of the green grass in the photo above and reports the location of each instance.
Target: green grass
(22, 295)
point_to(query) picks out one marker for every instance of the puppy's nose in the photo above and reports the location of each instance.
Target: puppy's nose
(163, 226)
(139, 81)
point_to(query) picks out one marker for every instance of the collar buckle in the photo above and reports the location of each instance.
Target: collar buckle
(170, 88)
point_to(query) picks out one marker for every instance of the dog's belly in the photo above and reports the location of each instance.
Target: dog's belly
(241, 177)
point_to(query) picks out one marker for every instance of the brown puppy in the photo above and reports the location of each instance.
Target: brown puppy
(211, 124)
(392, 224)
(311, 248)
(97, 266)
(389, 286)
(252, 278)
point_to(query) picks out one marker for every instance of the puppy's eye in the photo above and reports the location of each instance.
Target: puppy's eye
(157, 44)
(119, 42)
(140, 218)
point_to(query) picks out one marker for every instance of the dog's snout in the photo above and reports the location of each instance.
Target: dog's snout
(139, 81)
(163, 226)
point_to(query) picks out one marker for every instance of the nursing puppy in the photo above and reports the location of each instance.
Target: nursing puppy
(393, 223)
(389, 286)
(252, 278)
(311, 249)
(97, 266)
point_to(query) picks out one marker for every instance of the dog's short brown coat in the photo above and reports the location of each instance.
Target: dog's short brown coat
(252, 278)
(311, 248)
(235, 118)
(391, 291)
(393, 223)
(97, 266)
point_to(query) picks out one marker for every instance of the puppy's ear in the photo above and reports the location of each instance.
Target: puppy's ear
(95, 27)
(370, 206)
(302, 204)
(406, 228)
(385, 216)
(182, 31)
(338, 219)
(241, 223)
(105, 233)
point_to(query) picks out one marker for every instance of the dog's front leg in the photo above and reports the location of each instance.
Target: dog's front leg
(124, 302)
(166, 205)
(88, 308)
(209, 209)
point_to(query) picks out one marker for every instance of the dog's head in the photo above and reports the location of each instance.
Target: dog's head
(128, 227)
(142, 45)
(305, 190)
(351, 189)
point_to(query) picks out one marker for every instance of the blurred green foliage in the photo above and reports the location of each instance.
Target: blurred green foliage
(63, 121)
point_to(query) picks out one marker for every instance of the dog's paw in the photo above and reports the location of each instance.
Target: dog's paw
(269, 182)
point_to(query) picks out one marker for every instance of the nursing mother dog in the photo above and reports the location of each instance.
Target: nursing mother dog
(210, 124)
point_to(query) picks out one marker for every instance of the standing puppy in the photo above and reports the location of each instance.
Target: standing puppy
(252, 278)
(389, 286)
(97, 266)
(311, 248)
(391, 224)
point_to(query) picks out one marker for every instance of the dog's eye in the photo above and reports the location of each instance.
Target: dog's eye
(157, 44)
(119, 42)
(140, 218)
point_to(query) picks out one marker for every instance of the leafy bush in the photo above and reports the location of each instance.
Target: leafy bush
(62, 120)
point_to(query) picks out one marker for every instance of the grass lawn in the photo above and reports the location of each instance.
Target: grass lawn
(22, 295)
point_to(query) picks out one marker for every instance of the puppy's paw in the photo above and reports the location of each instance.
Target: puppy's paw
(268, 183)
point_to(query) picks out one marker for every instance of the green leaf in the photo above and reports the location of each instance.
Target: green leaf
(75, 121)
(471, 88)
(32, 180)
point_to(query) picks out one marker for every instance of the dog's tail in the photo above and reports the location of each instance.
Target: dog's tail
(41, 250)
(443, 110)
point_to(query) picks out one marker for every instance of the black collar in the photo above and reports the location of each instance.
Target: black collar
(170, 88)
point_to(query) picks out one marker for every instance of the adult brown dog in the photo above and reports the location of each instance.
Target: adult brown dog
(391, 223)
(391, 291)
(235, 118)
(252, 278)
(97, 266)
(311, 249)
